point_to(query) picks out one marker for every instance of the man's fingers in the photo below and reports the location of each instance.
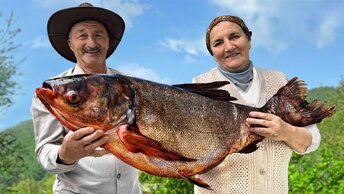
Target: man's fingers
(99, 153)
(95, 144)
(80, 133)
(88, 139)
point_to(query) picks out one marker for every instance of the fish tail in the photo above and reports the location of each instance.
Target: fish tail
(290, 104)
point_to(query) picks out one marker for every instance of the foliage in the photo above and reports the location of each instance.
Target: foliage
(30, 186)
(12, 163)
(160, 185)
(25, 136)
(8, 66)
(21, 150)
(322, 171)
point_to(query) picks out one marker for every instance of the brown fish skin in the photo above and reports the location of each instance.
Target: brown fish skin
(173, 131)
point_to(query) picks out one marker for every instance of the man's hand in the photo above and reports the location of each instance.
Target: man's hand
(81, 143)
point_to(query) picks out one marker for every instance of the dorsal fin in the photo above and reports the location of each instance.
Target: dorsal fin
(210, 90)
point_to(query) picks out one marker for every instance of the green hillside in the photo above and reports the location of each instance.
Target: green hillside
(25, 137)
(318, 172)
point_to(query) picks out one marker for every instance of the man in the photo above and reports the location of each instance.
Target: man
(85, 35)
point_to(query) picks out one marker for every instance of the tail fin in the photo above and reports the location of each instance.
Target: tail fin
(290, 104)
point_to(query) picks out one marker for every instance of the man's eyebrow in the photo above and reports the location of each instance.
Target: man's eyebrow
(100, 31)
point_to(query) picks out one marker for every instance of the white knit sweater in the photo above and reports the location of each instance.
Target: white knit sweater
(264, 171)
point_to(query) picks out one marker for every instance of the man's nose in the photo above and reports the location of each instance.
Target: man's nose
(91, 42)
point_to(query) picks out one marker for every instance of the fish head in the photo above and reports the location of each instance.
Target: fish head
(81, 100)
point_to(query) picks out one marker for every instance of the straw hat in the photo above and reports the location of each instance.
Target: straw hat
(61, 22)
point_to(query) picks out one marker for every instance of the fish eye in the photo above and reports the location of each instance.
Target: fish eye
(73, 97)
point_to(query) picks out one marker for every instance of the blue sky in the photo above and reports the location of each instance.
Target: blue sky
(164, 40)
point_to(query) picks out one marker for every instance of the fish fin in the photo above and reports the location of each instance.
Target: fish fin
(197, 181)
(249, 149)
(136, 143)
(290, 104)
(210, 90)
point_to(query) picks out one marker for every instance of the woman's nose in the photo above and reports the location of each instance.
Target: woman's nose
(228, 46)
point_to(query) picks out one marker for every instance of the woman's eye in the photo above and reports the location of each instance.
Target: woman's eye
(234, 36)
(217, 43)
(72, 97)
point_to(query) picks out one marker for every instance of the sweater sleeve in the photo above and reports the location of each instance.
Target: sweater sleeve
(316, 137)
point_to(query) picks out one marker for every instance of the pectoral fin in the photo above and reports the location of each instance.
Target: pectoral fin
(249, 149)
(136, 142)
(197, 181)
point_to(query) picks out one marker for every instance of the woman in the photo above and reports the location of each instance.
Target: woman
(266, 170)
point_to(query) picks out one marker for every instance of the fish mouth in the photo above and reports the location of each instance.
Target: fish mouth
(47, 92)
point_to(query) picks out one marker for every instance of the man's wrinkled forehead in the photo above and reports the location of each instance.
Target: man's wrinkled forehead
(88, 25)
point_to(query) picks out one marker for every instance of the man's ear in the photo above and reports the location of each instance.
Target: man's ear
(69, 44)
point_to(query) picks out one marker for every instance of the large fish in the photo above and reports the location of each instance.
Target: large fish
(173, 131)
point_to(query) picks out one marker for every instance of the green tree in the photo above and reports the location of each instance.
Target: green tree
(161, 185)
(12, 164)
(8, 66)
(340, 90)
(322, 170)
(29, 185)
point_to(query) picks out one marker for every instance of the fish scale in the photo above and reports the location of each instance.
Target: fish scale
(171, 131)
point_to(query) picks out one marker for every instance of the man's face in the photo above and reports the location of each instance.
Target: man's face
(89, 42)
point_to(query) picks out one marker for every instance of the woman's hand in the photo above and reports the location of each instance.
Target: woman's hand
(269, 126)
(81, 143)
(274, 128)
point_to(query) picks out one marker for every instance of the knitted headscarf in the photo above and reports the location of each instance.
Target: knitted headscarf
(229, 18)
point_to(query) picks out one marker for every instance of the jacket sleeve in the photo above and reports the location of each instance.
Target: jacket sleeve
(49, 134)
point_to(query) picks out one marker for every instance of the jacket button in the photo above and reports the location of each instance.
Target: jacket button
(118, 175)
(262, 171)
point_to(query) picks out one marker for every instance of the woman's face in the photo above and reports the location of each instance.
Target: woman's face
(230, 46)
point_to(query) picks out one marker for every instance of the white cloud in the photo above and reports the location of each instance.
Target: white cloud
(40, 42)
(128, 10)
(191, 48)
(327, 30)
(142, 72)
(277, 24)
(259, 16)
(189, 59)
(180, 45)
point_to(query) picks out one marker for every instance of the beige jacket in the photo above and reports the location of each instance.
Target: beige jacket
(264, 171)
(106, 174)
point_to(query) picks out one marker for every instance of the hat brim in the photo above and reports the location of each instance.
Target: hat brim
(59, 25)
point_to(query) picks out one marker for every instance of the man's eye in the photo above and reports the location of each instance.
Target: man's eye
(82, 36)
